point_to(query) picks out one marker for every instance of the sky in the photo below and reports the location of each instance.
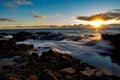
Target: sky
(18, 13)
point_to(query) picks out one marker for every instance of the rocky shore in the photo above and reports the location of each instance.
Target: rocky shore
(51, 65)
(114, 39)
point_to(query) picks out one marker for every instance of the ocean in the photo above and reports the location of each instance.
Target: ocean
(64, 30)
(88, 47)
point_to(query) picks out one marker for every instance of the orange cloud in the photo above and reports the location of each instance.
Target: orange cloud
(114, 14)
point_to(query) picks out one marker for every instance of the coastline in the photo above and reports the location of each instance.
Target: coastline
(51, 65)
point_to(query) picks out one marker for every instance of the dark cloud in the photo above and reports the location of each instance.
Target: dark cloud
(7, 19)
(114, 14)
(39, 17)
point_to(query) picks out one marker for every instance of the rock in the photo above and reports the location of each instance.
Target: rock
(34, 55)
(32, 77)
(7, 43)
(56, 59)
(11, 76)
(24, 47)
(114, 38)
(88, 71)
(69, 70)
(69, 77)
(51, 65)
(67, 58)
(43, 33)
(9, 48)
(48, 75)
(21, 36)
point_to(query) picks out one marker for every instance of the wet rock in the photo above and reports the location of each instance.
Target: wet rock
(69, 70)
(43, 33)
(34, 37)
(11, 76)
(52, 36)
(7, 43)
(24, 47)
(114, 39)
(69, 77)
(21, 36)
(48, 75)
(57, 59)
(32, 77)
(52, 65)
(88, 72)
(9, 48)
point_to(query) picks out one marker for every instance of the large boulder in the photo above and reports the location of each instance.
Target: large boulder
(21, 36)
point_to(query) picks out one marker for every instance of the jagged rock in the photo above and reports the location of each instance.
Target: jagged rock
(69, 77)
(52, 65)
(48, 75)
(69, 70)
(32, 77)
(21, 36)
(88, 72)
(114, 39)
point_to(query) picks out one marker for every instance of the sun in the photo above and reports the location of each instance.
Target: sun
(97, 23)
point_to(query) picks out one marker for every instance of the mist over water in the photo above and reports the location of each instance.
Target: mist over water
(84, 44)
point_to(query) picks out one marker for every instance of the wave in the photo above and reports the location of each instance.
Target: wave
(88, 48)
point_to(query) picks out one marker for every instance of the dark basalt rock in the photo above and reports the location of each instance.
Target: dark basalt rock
(114, 39)
(9, 48)
(7, 43)
(51, 65)
(43, 33)
(53, 36)
(21, 36)
(55, 59)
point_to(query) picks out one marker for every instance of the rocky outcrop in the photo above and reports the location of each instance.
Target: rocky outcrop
(21, 36)
(52, 65)
(114, 39)
(9, 48)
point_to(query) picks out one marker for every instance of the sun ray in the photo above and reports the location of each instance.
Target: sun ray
(99, 23)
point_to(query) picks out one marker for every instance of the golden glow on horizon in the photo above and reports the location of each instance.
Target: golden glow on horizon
(99, 23)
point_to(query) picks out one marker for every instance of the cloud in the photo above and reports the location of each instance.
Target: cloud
(36, 15)
(39, 17)
(7, 19)
(114, 14)
(23, 2)
(9, 4)
(16, 3)
(93, 17)
(58, 19)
